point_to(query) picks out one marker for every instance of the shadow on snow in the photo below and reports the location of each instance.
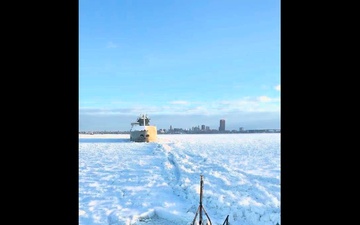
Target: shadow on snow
(103, 140)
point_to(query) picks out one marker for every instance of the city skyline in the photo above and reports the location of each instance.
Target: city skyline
(182, 63)
(199, 126)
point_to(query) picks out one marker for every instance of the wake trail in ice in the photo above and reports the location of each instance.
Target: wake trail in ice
(156, 168)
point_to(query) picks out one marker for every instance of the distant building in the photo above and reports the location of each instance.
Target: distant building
(202, 127)
(222, 125)
(162, 131)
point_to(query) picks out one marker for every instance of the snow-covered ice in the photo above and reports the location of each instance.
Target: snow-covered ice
(158, 183)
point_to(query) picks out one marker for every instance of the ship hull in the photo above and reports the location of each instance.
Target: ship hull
(149, 134)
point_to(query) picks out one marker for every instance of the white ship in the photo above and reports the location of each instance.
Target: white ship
(141, 131)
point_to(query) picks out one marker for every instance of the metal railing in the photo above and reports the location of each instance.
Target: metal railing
(201, 209)
(226, 222)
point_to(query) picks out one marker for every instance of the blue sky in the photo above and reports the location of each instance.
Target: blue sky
(184, 63)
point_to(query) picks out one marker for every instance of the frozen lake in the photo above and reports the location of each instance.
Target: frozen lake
(123, 182)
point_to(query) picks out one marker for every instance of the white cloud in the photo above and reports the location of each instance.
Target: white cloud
(250, 104)
(264, 99)
(278, 87)
(179, 102)
(181, 107)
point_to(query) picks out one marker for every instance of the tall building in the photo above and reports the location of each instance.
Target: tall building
(222, 125)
